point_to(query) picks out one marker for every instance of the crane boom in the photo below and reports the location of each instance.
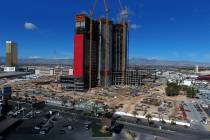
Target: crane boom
(93, 9)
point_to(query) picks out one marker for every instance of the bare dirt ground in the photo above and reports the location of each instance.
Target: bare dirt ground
(119, 98)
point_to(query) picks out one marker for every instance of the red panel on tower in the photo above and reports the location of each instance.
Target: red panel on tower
(78, 55)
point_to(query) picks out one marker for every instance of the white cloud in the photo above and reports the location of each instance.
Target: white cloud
(29, 26)
(34, 57)
(135, 26)
(84, 12)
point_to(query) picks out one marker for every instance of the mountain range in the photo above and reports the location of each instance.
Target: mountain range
(132, 61)
(158, 62)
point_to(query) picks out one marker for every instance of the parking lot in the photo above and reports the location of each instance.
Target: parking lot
(195, 115)
(52, 125)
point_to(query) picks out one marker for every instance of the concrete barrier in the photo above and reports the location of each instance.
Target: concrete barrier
(153, 118)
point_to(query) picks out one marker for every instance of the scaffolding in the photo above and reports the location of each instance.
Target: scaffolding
(133, 77)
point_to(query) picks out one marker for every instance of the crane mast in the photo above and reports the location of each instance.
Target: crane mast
(91, 42)
(106, 45)
(123, 16)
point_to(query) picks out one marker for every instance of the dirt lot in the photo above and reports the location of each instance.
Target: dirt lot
(120, 98)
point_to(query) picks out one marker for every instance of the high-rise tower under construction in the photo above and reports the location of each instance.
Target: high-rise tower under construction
(108, 52)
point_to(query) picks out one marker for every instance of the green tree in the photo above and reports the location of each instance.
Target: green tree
(64, 100)
(191, 92)
(149, 117)
(172, 89)
(135, 113)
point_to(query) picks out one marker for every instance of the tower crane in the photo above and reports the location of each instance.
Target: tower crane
(106, 40)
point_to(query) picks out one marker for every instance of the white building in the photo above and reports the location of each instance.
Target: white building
(9, 69)
(196, 69)
(44, 71)
(71, 71)
(63, 71)
(187, 83)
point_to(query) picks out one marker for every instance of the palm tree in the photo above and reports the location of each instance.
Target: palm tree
(149, 117)
(173, 122)
(64, 101)
(17, 95)
(161, 118)
(26, 95)
(135, 113)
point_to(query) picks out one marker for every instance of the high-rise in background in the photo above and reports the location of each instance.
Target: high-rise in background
(11, 54)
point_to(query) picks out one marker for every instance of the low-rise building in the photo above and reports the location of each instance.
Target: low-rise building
(44, 71)
(63, 71)
(9, 69)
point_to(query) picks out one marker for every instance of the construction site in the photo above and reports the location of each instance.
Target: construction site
(150, 98)
(95, 89)
(101, 74)
(101, 79)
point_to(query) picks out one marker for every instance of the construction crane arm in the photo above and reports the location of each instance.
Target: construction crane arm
(121, 6)
(106, 7)
(93, 9)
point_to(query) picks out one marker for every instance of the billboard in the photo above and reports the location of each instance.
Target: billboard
(7, 90)
(78, 55)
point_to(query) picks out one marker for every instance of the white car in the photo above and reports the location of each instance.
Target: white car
(37, 112)
(37, 128)
(42, 132)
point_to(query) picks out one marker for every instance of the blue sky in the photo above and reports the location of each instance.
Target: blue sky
(162, 29)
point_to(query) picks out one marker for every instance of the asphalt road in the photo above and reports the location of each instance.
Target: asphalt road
(174, 135)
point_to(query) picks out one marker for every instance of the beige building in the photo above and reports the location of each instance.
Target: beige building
(63, 71)
(11, 53)
(44, 71)
(47, 71)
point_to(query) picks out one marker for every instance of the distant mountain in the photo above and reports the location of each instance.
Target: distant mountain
(45, 61)
(156, 62)
(40, 61)
(133, 61)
